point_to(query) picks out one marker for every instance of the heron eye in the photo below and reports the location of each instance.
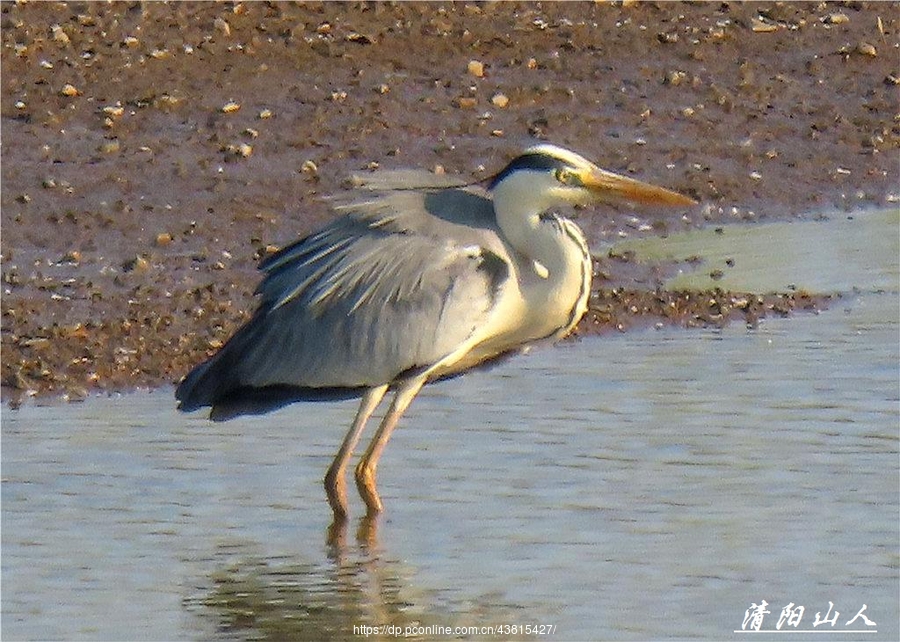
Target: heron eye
(568, 177)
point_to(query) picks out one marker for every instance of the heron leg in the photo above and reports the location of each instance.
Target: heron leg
(335, 486)
(365, 470)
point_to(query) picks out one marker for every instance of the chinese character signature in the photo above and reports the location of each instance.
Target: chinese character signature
(792, 614)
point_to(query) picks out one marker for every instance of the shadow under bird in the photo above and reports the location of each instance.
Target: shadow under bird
(409, 285)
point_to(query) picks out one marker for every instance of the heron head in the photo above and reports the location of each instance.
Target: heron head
(551, 175)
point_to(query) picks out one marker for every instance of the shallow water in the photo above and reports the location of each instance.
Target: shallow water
(644, 485)
(835, 252)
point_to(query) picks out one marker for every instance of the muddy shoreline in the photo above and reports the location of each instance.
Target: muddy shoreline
(153, 153)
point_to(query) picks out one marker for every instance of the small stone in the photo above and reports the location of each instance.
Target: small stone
(265, 114)
(466, 103)
(359, 38)
(476, 68)
(222, 26)
(836, 18)
(131, 42)
(309, 167)
(230, 107)
(163, 239)
(166, 101)
(242, 150)
(675, 77)
(69, 90)
(866, 49)
(137, 264)
(59, 35)
(759, 26)
(500, 100)
(667, 37)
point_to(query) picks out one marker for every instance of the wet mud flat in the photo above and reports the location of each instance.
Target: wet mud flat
(152, 154)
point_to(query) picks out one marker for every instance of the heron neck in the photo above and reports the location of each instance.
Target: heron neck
(552, 256)
(537, 239)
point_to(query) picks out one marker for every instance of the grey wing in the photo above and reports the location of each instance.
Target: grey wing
(357, 304)
(363, 314)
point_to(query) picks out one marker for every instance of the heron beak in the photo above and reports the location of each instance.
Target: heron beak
(610, 186)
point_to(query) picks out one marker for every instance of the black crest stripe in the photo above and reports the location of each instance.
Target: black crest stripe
(536, 161)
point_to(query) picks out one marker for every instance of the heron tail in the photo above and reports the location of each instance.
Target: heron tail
(218, 383)
(198, 389)
(214, 379)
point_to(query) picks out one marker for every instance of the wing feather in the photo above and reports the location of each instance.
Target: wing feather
(384, 289)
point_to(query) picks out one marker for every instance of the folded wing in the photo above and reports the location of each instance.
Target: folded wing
(377, 293)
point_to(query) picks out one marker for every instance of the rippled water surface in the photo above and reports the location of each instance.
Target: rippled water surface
(637, 486)
(648, 485)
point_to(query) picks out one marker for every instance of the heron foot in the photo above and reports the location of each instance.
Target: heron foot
(365, 484)
(336, 490)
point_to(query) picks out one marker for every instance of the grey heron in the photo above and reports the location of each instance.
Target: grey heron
(408, 286)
